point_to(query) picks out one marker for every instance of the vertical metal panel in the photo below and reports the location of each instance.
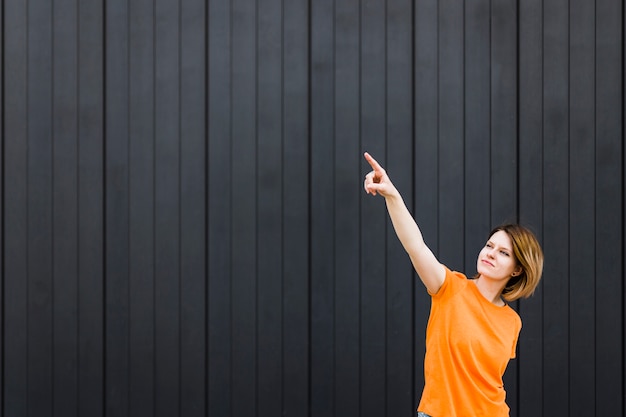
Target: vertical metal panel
(39, 208)
(167, 206)
(296, 210)
(269, 185)
(244, 207)
(322, 203)
(503, 128)
(65, 208)
(15, 272)
(91, 208)
(193, 94)
(117, 216)
(556, 183)
(347, 168)
(450, 133)
(141, 234)
(582, 203)
(609, 209)
(219, 209)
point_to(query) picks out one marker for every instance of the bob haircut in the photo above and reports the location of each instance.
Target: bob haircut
(528, 255)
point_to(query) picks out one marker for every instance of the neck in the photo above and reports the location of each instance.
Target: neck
(491, 290)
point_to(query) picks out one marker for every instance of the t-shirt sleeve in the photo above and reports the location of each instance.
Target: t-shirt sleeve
(452, 283)
(518, 326)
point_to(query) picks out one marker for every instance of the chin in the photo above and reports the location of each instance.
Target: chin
(481, 269)
(486, 272)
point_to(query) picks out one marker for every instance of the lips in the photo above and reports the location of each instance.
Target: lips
(487, 262)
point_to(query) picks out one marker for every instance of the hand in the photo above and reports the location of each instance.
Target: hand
(377, 181)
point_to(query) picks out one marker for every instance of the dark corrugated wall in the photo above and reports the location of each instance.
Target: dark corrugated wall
(184, 228)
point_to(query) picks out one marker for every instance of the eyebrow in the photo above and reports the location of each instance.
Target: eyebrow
(501, 247)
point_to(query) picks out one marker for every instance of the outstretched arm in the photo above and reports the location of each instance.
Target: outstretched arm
(429, 269)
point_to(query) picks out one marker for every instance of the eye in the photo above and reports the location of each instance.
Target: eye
(489, 245)
(505, 253)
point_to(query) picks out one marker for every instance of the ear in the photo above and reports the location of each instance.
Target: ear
(518, 270)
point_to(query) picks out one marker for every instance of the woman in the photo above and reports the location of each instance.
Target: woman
(472, 332)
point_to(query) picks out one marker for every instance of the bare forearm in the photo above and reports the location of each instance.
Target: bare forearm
(430, 271)
(404, 224)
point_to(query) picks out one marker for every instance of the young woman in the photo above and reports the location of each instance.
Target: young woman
(472, 332)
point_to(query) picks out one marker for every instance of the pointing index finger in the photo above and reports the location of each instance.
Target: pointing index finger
(373, 163)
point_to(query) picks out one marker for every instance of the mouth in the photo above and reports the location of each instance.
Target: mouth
(486, 262)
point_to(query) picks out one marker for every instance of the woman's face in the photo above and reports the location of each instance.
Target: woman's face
(496, 260)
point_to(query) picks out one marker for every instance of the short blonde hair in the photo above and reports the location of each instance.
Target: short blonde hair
(528, 255)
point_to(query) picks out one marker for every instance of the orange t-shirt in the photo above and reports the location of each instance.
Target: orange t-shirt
(469, 342)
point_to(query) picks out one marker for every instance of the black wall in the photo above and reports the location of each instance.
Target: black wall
(184, 230)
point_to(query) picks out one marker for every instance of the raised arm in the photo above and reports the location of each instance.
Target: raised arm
(429, 269)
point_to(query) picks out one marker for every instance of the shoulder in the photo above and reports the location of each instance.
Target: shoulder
(454, 281)
(514, 316)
